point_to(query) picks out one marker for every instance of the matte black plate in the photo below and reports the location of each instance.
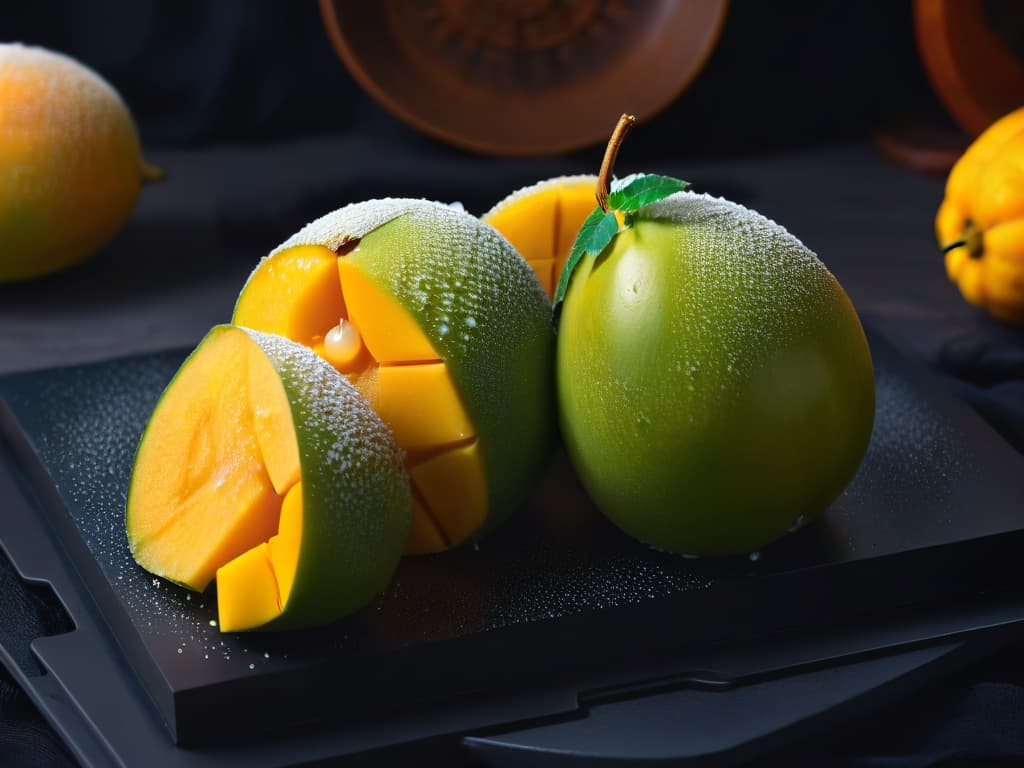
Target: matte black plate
(546, 608)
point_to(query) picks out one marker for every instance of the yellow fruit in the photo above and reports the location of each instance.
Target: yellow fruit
(70, 163)
(542, 220)
(263, 468)
(447, 334)
(980, 223)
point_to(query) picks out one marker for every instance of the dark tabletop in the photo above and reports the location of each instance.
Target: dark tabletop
(242, 176)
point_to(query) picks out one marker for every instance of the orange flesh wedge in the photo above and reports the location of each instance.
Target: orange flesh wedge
(398, 371)
(253, 588)
(216, 488)
(542, 221)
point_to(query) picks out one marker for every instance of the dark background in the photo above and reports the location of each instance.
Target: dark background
(261, 129)
(199, 73)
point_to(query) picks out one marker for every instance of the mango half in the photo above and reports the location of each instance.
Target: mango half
(445, 331)
(263, 468)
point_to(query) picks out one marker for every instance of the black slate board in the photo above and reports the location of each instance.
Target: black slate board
(553, 605)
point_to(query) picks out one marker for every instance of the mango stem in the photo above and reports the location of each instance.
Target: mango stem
(604, 178)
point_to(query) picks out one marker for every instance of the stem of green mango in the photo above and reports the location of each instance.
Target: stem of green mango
(604, 178)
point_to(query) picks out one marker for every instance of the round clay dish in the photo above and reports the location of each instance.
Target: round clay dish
(972, 67)
(523, 77)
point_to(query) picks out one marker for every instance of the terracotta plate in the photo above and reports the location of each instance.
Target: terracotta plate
(966, 49)
(519, 77)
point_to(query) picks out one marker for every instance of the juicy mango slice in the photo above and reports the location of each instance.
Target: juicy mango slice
(254, 588)
(542, 221)
(218, 487)
(401, 375)
(208, 483)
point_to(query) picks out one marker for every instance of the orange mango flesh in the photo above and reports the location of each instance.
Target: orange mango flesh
(216, 488)
(208, 494)
(399, 372)
(253, 588)
(542, 223)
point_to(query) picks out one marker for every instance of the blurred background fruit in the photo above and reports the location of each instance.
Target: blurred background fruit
(980, 224)
(70, 163)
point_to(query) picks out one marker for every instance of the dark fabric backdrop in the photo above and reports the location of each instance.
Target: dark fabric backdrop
(198, 72)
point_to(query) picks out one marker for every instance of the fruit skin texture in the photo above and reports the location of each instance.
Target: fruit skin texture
(715, 386)
(70, 163)
(542, 220)
(984, 205)
(480, 306)
(354, 511)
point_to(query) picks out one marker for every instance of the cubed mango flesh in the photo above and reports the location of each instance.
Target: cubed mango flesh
(218, 487)
(398, 371)
(541, 222)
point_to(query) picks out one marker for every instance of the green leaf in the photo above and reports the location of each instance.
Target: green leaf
(597, 231)
(640, 189)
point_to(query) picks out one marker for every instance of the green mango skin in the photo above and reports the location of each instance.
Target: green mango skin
(355, 493)
(485, 312)
(714, 384)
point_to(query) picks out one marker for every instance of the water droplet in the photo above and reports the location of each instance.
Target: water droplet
(754, 556)
(179, 650)
(442, 330)
(252, 666)
(797, 523)
(213, 622)
(471, 321)
(266, 655)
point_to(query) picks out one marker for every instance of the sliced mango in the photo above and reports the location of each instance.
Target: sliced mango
(421, 405)
(393, 364)
(390, 333)
(208, 483)
(445, 332)
(542, 221)
(272, 424)
(286, 547)
(295, 294)
(262, 466)
(458, 468)
(425, 536)
(247, 591)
